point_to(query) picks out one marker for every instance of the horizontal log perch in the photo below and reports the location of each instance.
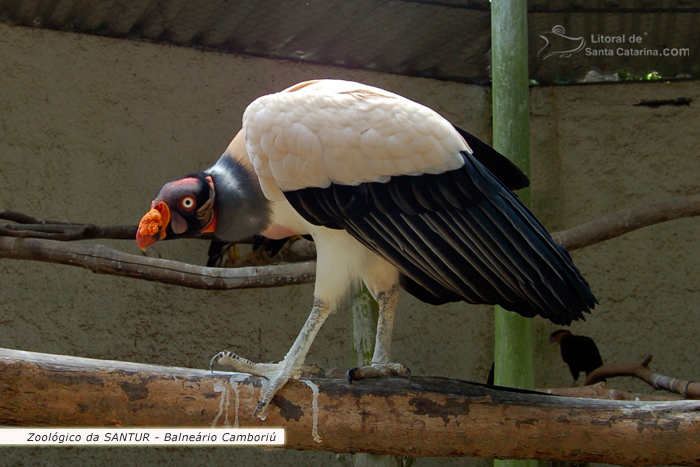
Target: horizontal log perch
(420, 416)
(104, 260)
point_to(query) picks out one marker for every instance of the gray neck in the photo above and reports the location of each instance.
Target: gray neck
(242, 209)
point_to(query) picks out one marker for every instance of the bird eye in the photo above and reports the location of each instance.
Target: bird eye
(187, 202)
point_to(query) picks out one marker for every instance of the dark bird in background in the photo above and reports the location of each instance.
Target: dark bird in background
(579, 352)
(392, 194)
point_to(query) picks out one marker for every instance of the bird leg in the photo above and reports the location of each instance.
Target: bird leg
(381, 365)
(290, 367)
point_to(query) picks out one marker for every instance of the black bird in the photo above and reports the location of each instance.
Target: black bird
(579, 352)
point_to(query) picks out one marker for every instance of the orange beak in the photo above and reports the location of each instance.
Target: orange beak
(152, 226)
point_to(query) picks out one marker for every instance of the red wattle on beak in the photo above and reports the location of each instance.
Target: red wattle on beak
(152, 226)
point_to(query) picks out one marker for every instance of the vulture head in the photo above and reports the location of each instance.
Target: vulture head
(225, 199)
(182, 207)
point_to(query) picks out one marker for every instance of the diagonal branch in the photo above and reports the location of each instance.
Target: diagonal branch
(628, 220)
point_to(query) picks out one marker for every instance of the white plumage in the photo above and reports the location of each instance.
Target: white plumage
(322, 132)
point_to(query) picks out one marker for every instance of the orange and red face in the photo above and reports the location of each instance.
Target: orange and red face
(181, 208)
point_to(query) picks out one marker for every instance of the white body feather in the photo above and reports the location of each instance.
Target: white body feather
(342, 259)
(327, 131)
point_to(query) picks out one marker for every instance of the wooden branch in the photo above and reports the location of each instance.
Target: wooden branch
(627, 220)
(20, 218)
(103, 260)
(31, 227)
(688, 389)
(67, 233)
(420, 416)
(599, 230)
(601, 390)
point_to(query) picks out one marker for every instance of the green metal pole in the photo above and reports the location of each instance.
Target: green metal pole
(365, 312)
(509, 61)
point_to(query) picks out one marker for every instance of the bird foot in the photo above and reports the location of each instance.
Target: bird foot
(375, 371)
(276, 373)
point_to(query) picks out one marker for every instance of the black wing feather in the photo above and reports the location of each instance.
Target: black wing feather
(459, 235)
(502, 167)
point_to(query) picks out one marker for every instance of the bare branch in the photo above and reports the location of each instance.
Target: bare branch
(31, 227)
(688, 389)
(601, 390)
(420, 416)
(590, 233)
(99, 258)
(627, 220)
(69, 232)
(103, 260)
(20, 218)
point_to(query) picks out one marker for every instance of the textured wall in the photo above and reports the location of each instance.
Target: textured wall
(90, 128)
(596, 151)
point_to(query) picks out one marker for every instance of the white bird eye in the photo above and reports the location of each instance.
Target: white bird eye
(187, 202)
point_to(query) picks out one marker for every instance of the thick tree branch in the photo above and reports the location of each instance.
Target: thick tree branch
(688, 389)
(420, 416)
(103, 260)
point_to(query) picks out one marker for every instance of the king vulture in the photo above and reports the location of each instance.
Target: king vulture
(392, 194)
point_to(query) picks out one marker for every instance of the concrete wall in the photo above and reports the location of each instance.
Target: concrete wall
(91, 127)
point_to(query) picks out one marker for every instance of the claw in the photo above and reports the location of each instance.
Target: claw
(261, 409)
(215, 359)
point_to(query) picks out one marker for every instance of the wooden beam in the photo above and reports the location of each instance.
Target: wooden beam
(420, 416)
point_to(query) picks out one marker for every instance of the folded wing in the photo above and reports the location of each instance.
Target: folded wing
(416, 191)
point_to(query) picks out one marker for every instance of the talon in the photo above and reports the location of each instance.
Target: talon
(259, 409)
(215, 359)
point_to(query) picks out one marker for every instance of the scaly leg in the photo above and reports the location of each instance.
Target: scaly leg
(381, 360)
(289, 368)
